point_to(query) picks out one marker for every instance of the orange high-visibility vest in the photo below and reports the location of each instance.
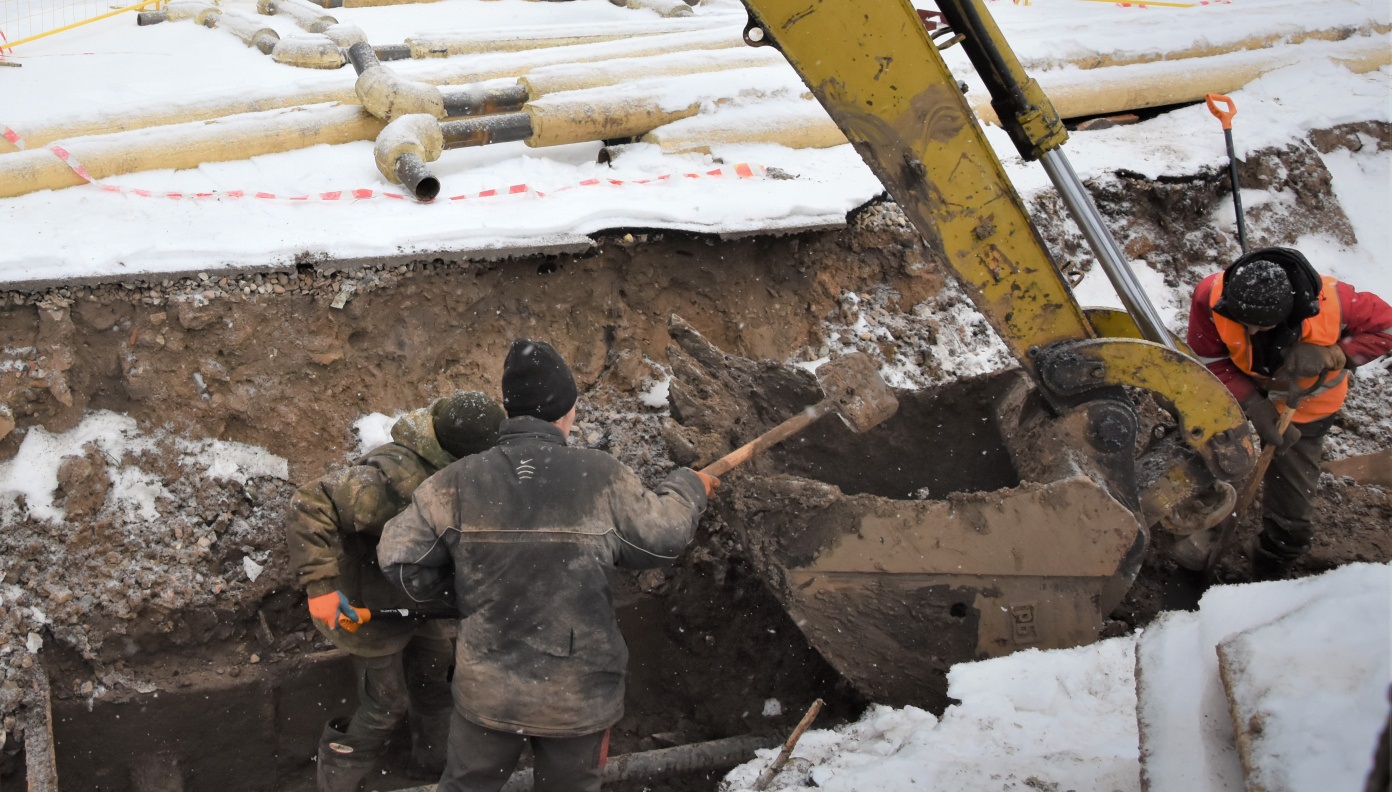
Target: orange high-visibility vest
(1322, 329)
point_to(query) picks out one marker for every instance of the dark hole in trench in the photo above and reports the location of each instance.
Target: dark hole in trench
(940, 441)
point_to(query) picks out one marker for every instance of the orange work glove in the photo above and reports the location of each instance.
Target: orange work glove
(328, 607)
(711, 482)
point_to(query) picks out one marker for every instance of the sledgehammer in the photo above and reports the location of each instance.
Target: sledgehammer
(851, 388)
(366, 615)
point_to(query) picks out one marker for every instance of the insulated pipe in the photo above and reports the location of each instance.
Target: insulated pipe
(798, 125)
(386, 94)
(1113, 89)
(308, 52)
(185, 146)
(1104, 246)
(664, 8)
(308, 16)
(251, 32)
(403, 148)
(477, 100)
(492, 41)
(486, 130)
(446, 73)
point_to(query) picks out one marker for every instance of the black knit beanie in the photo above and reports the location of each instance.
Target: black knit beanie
(536, 381)
(466, 422)
(1256, 292)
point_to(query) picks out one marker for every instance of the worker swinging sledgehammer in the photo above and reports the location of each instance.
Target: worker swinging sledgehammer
(402, 665)
(1266, 325)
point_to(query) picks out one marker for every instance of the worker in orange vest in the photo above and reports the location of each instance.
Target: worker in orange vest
(1272, 328)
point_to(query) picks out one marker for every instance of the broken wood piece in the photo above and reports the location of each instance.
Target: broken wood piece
(782, 758)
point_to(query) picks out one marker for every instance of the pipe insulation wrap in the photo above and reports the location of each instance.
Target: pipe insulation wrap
(665, 8)
(308, 52)
(437, 73)
(575, 77)
(345, 35)
(1112, 89)
(638, 107)
(417, 134)
(306, 15)
(797, 124)
(387, 95)
(497, 40)
(188, 145)
(375, 3)
(189, 9)
(251, 32)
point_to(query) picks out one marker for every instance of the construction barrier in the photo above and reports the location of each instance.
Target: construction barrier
(23, 22)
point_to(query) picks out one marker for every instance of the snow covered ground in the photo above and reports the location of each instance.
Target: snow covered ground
(1309, 661)
(114, 67)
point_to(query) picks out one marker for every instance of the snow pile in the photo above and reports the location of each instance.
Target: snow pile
(28, 480)
(113, 529)
(1045, 720)
(1341, 619)
(1309, 664)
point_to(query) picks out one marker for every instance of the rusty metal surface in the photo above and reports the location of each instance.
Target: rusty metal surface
(894, 592)
(860, 396)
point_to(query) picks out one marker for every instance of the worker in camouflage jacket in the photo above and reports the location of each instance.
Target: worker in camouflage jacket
(1275, 331)
(332, 530)
(528, 535)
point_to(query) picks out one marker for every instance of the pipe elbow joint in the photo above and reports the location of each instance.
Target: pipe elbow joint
(417, 134)
(389, 96)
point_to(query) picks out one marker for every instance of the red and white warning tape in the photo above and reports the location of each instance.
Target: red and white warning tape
(740, 171)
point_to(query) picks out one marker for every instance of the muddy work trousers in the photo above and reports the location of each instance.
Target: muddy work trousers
(1288, 493)
(413, 685)
(482, 759)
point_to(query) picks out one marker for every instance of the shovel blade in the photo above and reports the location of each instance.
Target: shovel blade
(852, 383)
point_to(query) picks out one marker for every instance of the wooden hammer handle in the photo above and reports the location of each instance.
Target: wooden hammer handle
(767, 440)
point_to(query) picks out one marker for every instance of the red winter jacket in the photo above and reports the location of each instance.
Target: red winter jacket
(1366, 336)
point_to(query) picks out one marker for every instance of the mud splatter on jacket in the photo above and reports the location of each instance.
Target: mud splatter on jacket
(533, 530)
(334, 523)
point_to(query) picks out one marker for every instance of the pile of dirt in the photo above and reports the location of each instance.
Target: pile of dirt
(115, 601)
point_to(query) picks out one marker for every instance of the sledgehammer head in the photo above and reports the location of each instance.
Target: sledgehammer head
(853, 389)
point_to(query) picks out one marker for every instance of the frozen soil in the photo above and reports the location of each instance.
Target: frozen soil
(115, 604)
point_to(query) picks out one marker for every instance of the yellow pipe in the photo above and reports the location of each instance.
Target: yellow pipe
(445, 73)
(36, 37)
(185, 146)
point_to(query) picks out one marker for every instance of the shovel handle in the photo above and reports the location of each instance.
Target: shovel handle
(366, 615)
(1224, 115)
(767, 440)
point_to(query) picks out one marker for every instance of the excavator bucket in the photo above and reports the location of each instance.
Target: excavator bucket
(918, 544)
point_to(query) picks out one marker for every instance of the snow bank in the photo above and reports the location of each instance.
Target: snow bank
(1063, 719)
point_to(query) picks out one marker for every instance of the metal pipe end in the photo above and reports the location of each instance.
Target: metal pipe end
(391, 52)
(144, 18)
(362, 56)
(414, 176)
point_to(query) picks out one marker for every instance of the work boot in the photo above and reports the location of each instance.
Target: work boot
(429, 737)
(1267, 565)
(344, 759)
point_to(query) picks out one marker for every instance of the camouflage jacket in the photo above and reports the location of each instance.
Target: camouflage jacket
(334, 523)
(533, 530)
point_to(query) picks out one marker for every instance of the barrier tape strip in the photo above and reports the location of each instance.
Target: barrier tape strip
(741, 171)
(12, 136)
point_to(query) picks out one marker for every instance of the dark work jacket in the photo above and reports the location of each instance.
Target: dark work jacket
(534, 530)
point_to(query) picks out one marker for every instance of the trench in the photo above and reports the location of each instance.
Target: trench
(288, 359)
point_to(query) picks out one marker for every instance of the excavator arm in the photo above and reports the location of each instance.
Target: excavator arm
(1089, 480)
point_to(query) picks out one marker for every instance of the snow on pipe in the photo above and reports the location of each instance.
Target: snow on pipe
(447, 73)
(1113, 89)
(482, 42)
(583, 116)
(664, 8)
(186, 145)
(802, 124)
(308, 16)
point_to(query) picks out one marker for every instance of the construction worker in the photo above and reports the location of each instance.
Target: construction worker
(402, 666)
(533, 529)
(1272, 329)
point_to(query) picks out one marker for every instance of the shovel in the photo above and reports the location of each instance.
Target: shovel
(366, 615)
(1225, 115)
(851, 388)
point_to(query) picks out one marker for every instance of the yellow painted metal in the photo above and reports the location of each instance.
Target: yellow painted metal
(1207, 412)
(136, 7)
(1116, 323)
(879, 77)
